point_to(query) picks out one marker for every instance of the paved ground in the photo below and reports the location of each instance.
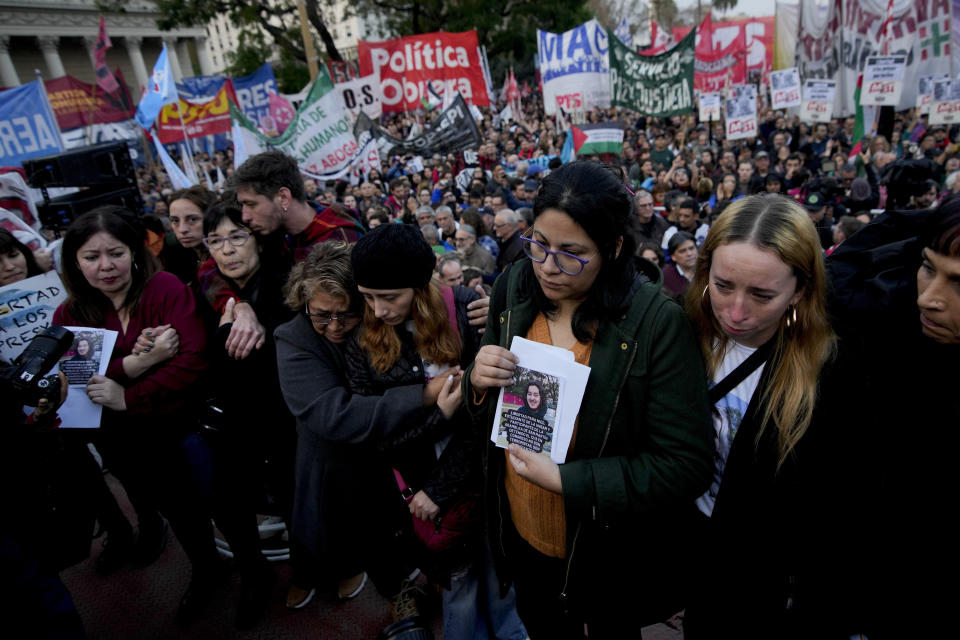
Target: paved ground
(141, 603)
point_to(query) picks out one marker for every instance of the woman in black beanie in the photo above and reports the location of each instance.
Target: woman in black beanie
(412, 332)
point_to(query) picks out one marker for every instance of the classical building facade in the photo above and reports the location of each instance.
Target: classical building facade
(53, 38)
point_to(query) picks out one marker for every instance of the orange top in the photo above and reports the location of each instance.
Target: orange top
(537, 513)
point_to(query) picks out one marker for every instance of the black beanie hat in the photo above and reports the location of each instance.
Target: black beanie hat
(393, 256)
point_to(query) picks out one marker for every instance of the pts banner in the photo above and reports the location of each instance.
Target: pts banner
(405, 65)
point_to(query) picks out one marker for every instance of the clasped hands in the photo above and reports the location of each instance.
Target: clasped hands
(494, 367)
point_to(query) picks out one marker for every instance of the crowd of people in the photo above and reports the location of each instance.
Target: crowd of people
(337, 351)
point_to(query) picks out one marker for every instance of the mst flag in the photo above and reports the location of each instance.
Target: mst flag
(104, 78)
(657, 86)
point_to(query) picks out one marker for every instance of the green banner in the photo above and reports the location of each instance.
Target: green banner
(657, 86)
(320, 136)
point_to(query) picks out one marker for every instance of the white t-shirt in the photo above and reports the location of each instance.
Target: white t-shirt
(727, 416)
(699, 235)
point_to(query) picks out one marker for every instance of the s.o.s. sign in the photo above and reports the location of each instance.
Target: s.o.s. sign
(406, 65)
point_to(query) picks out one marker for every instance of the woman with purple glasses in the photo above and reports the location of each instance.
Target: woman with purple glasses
(642, 447)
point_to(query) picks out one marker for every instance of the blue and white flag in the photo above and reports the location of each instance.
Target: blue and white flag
(161, 91)
(623, 32)
(28, 128)
(178, 178)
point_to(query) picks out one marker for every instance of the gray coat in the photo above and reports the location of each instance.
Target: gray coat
(339, 482)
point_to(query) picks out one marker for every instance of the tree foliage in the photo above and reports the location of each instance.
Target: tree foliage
(279, 19)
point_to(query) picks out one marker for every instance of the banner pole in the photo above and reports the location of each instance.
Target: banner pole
(93, 106)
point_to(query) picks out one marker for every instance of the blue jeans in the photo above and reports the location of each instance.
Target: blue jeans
(473, 608)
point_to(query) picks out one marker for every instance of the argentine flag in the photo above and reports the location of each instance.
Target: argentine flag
(161, 91)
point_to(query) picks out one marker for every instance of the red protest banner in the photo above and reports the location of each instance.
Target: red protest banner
(199, 118)
(407, 64)
(77, 104)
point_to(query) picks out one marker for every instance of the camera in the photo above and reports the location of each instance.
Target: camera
(24, 379)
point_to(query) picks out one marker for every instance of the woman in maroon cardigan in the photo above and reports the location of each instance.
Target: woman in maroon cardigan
(145, 433)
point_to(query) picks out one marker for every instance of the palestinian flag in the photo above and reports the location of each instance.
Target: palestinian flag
(597, 137)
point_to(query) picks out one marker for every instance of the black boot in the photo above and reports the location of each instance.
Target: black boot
(118, 547)
(256, 587)
(203, 585)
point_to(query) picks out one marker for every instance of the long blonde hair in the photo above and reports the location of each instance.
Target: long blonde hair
(777, 224)
(435, 339)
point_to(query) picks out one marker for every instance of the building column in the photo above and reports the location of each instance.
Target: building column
(183, 50)
(49, 45)
(132, 43)
(173, 58)
(8, 73)
(91, 44)
(203, 55)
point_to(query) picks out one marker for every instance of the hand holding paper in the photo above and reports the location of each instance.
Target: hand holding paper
(493, 367)
(536, 468)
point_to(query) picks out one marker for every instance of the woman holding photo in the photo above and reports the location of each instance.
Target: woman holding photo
(641, 449)
(149, 413)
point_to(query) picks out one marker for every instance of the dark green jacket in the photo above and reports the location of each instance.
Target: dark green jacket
(643, 451)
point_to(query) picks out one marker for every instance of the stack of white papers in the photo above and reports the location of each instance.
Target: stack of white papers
(539, 411)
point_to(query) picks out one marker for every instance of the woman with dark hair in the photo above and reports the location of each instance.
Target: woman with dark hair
(895, 298)
(677, 275)
(414, 332)
(534, 400)
(622, 501)
(651, 251)
(149, 412)
(189, 258)
(252, 442)
(757, 301)
(16, 260)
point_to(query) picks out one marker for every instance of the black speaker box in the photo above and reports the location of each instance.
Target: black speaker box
(60, 212)
(102, 164)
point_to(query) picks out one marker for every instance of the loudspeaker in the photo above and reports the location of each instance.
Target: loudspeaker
(102, 164)
(58, 213)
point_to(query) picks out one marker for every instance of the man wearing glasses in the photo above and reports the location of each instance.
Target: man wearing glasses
(508, 237)
(650, 227)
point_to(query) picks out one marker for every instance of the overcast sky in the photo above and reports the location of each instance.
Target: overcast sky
(749, 7)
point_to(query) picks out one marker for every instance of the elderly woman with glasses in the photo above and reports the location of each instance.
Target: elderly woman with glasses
(342, 497)
(252, 442)
(642, 448)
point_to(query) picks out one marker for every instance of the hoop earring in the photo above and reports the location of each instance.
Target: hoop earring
(703, 296)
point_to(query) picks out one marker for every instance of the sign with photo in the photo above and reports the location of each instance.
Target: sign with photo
(883, 80)
(945, 102)
(740, 110)
(818, 96)
(710, 107)
(785, 88)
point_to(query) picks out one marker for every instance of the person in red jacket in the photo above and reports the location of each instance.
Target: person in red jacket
(145, 431)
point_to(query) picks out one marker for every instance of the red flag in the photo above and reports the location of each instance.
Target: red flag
(104, 78)
(513, 91)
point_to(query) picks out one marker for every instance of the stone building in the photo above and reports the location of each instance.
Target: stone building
(56, 38)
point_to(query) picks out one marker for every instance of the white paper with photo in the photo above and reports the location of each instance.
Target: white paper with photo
(818, 96)
(79, 412)
(883, 80)
(709, 107)
(945, 103)
(560, 363)
(925, 91)
(785, 88)
(740, 109)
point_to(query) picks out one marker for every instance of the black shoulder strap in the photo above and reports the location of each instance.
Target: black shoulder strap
(738, 375)
(500, 293)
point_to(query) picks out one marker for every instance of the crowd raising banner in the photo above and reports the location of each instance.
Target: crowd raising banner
(574, 68)
(658, 86)
(406, 65)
